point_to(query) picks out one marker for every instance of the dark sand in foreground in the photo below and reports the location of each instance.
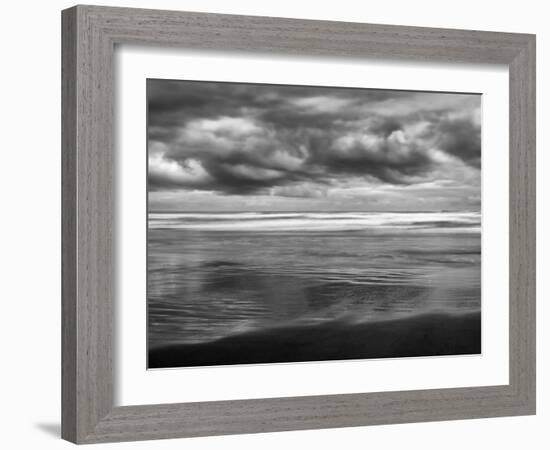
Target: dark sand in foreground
(422, 335)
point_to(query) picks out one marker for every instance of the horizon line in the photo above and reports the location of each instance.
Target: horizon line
(306, 211)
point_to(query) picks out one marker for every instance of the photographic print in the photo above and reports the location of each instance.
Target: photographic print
(302, 223)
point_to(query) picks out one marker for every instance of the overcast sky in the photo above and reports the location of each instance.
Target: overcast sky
(250, 147)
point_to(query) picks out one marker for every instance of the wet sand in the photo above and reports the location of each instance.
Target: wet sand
(421, 335)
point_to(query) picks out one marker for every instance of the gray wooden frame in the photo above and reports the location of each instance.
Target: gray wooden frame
(89, 36)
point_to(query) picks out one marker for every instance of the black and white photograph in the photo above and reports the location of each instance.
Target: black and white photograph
(275, 225)
(290, 224)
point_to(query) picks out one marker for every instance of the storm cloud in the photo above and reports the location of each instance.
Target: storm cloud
(238, 140)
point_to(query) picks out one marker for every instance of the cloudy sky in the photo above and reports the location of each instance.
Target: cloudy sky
(250, 147)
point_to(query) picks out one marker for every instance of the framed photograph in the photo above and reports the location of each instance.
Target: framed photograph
(277, 224)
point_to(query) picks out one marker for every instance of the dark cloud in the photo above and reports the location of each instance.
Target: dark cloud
(387, 162)
(385, 126)
(461, 138)
(296, 141)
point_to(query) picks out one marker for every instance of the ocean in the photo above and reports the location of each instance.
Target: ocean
(213, 276)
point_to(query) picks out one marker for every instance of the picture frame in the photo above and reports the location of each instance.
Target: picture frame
(90, 34)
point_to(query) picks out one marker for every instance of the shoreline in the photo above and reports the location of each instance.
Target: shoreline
(430, 334)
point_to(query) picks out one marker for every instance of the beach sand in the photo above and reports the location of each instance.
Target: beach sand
(421, 335)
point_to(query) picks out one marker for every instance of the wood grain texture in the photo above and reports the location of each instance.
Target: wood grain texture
(523, 224)
(68, 226)
(89, 36)
(88, 211)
